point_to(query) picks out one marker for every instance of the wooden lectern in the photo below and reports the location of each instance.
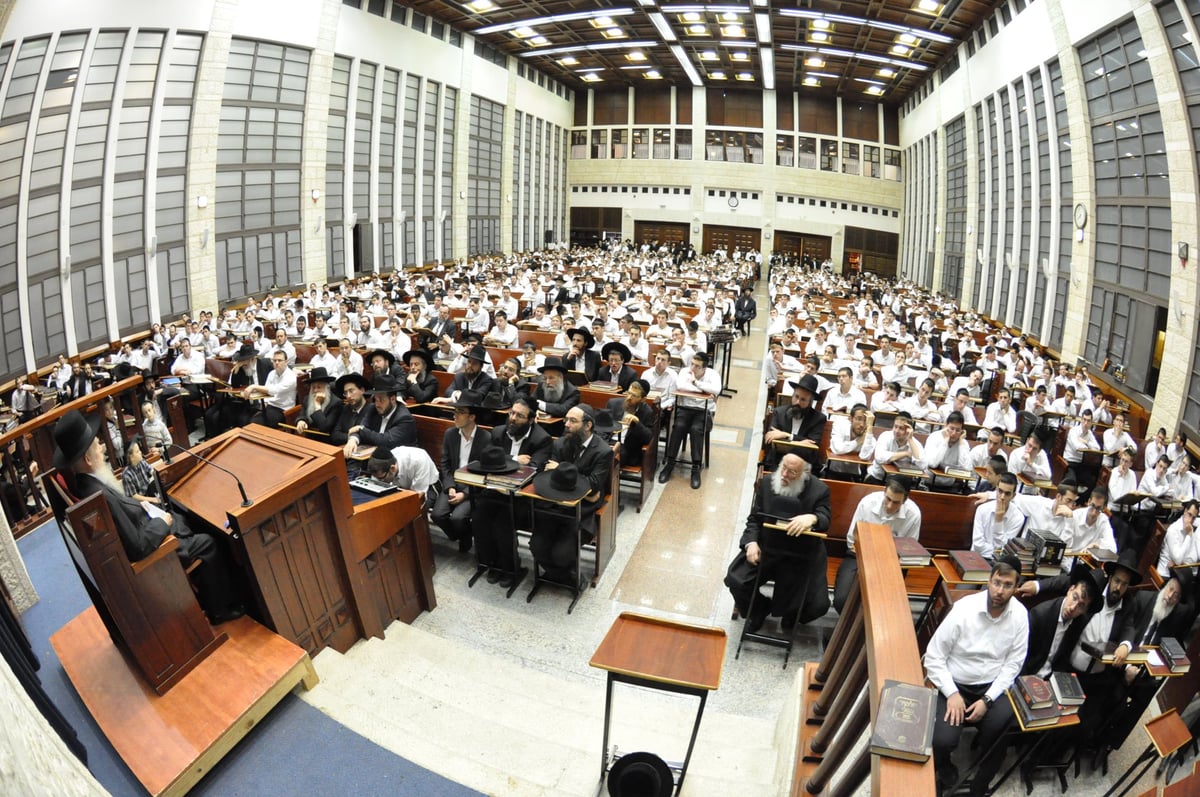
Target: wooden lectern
(323, 572)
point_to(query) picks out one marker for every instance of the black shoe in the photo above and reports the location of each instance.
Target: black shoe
(228, 615)
(695, 477)
(666, 472)
(507, 580)
(493, 576)
(755, 621)
(464, 544)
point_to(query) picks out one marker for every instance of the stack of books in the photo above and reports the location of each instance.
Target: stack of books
(1035, 702)
(1023, 550)
(514, 480)
(1174, 655)
(970, 565)
(1067, 691)
(1107, 653)
(1048, 550)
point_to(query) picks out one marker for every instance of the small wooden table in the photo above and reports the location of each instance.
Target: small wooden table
(656, 653)
(1167, 733)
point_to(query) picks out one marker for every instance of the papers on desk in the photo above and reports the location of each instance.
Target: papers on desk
(154, 511)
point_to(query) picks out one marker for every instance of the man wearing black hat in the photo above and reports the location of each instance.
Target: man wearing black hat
(616, 357)
(523, 437)
(462, 443)
(799, 420)
(419, 383)
(582, 356)
(471, 377)
(80, 451)
(508, 385)
(322, 407)
(584, 444)
(232, 410)
(745, 310)
(555, 395)
(352, 389)
(385, 423)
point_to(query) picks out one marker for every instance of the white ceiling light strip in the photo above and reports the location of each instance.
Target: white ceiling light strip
(879, 59)
(583, 48)
(578, 15)
(870, 23)
(684, 62)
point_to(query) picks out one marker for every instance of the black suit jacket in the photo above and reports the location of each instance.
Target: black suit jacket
(401, 429)
(347, 418)
(558, 409)
(811, 428)
(423, 391)
(324, 419)
(447, 327)
(537, 444)
(451, 443)
(483, 383)
(594, 463)
(624, 379)
(139, 533)
(745, 308)
(637, 435)
(1176, 624)
(1127, 619)
(1043, 622)
(592, 363)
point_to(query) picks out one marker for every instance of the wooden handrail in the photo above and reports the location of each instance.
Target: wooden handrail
(891, 650)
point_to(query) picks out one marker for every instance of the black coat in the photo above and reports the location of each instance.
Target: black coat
(537, 444)
(423, 392)
(401, 429)
(558, 409)
(451, 443)
(1043, 621)
(638, 434)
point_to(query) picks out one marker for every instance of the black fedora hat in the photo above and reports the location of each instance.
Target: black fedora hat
(603, 423)
(73, 434)
(589, 340)
(620, 348)
(494, 459)
(496, 400)
(640, 775)
(245, 352)
(476, 352)
(807, 382)
(351, 378)
(561, 484)
(472, 399)
(425, 356)
(387, 355)
(1128, 560)
(554, 364)
(319, 374)
(383, 384)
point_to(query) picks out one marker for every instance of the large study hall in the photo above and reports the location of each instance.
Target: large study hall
(449, 398)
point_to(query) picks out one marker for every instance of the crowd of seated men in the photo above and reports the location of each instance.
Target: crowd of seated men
(885, 384)
(347, 364)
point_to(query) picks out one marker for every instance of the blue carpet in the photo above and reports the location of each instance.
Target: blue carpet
(295, 750)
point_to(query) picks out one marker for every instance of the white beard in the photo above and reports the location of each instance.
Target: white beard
(1161, 610)
(103, 473)
(792, 490)
(553, 394)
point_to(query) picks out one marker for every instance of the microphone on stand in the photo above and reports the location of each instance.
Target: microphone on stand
(245, 499)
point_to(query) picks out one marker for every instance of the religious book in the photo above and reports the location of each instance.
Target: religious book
(1048, 550)
(1174, 654)
(1035, 692)
(912, 553)
(1035, 717)
(1067, 690)
(904, 722)
(970, 565)
(1106, 653)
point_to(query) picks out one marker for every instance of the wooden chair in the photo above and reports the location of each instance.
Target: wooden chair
(640, 475)
(147, 606)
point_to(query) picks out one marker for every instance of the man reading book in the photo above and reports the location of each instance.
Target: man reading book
(974, 655)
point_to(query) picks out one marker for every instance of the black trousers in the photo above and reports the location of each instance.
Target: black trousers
(694, 423)
(946, 736)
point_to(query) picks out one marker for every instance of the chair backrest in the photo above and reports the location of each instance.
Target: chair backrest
(1026, 423)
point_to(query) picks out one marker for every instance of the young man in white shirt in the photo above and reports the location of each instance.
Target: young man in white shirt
(997, 521)
(890, 507)
(1030, 460)
(693, 416)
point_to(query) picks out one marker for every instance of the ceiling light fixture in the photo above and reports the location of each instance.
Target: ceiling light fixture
(654, 74)
(662, 26)
(909, 39)
(570, 60)
(745, 76)
(928, 7)
(691, 16)
(602, 22)
(571, 17)
(523, 32)
(767, 57)
(814, 16)
(709, 55)
(636, 55)
(734, 31)
(686, 65)
(762, 28)
(539, 41)
(591, 77)
(811, 81)
(814, 60)
(818, 36)
(481, 6)
(717, 75)
(740, 56)
(697, 30)
(899, 49)
(886, 72)
(614, 33)
(875, 91)
(820, 24)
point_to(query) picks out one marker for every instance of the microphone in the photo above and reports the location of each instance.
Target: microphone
(245, 499)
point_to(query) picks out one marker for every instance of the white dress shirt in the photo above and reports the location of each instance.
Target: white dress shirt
(972, 648)
(989, 533)
(905, 523)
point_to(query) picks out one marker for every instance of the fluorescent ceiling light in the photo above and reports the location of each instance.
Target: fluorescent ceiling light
(745, 76)
(767, 56)
(481, 6)
(614, 33)
(928, 6)
(691, 16)
(814, 60)
(697, 30)
(730, 16)
(803, 13)
(899, 49)
(570, 60)
(596, 47)
(811, 81)
(653, 74)
(709, 55)
(837, 52)
(818, 36)
(875, 90)
(664, 29)
(718, 75)
(820, 24)
(740, 56)
(577, 15)
(762, 27)
(686, 64)
(886, 72)
(591, 77)
(523, 32)
(539, 41)
(636, 55)
(736, 31)
(602, 22)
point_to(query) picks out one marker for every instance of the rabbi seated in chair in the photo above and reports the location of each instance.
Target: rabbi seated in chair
(79, 451)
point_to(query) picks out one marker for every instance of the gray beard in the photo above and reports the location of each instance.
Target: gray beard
(792, 490)
(1161, 610)
(552, 394)
(103, 473)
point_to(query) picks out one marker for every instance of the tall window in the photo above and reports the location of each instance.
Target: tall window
(335, 169)
(956, 207)
(486, 147)
(1062, 142)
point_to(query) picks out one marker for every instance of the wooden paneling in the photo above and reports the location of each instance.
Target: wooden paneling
(581, 108)
(734, 108)
(860, 120)
(879, 250)
(662, 231)
(611, 107)
(652, 107)
(730, 238)
(818, 115)
(891, 126)
(587, 223)
(785, 112)
(683, 105)
(802, 243)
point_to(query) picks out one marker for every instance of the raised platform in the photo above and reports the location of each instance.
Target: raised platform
(171, 741)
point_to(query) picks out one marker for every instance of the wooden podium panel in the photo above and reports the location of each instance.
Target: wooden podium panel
(323, 571)
(171, 741)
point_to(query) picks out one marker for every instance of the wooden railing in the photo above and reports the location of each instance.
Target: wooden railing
(874, 641)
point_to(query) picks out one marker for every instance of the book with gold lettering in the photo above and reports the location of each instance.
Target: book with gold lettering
(904, 722)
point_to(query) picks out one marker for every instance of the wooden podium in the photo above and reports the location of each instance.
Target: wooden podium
(322, 571)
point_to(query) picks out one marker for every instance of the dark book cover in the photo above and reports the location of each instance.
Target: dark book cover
(1048, 547)
(1036, 717)
(904, 722)
(1067, 689)
(1174, 654)
(1035, 692)
(970, 565)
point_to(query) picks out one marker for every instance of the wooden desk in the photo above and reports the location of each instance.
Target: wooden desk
(576, 507)
(655, 653)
